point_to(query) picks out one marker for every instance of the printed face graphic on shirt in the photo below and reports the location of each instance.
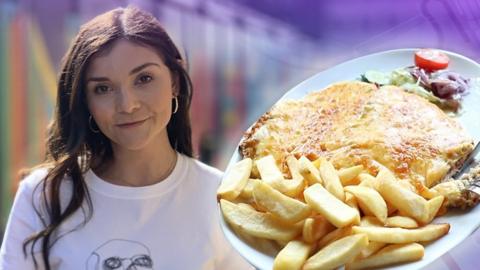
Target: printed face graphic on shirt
(119, 254)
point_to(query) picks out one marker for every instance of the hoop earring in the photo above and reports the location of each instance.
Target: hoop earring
(90, 125)
(175, 98)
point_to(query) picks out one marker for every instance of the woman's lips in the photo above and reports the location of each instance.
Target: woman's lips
(131, 124)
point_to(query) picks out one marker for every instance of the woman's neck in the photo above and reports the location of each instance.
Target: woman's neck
(139, 167)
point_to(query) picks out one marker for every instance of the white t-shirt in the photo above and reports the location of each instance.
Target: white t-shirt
(173, 224)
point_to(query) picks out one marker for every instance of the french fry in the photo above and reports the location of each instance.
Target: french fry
(269, 213)
(334, 236)
(402, 236)
(246, 205)
(294, 167)
(257, 224)
(269, 172)
(235, 180)
(401, 222)
(315, 228)
(365, 210)
(267, 246)
(291, 187)
(406, 184)
(367, 180)
(317, 162)
(433, 205)
(282, 206)
(428, 193)
(348, 176)
(370, 221)
(351, 201)
(371, 200)
(389, 255)
(309, 171)
(390, 209)
(247, 190)
(329, 206)
(403, 199)
(370, 249)
(337, 253)
(292, 256)
(330, 179)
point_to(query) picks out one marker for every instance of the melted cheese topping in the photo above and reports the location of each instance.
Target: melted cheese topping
(353, 123)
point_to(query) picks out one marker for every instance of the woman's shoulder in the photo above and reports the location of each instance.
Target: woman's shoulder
(34, 177)
(28, 192)
(200, 168)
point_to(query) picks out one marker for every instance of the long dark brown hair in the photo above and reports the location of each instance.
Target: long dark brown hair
(72, 145)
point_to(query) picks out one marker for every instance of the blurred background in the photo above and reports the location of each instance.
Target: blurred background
(243, 55)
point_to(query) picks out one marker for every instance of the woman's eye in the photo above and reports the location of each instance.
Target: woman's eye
(101, 89)
(144, 79)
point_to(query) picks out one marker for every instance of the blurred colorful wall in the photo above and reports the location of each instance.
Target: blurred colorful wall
(243, 55)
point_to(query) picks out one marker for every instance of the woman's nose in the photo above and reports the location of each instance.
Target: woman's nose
(127, 101)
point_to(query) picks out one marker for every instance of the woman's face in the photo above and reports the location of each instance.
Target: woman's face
(129, 94)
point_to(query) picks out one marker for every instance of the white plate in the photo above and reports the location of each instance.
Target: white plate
(463, 223)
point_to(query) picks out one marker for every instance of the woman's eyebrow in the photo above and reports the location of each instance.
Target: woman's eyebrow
(137, 69)
(97, 79)
(133, 71)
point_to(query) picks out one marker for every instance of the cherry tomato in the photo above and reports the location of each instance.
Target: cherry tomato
(431, 59)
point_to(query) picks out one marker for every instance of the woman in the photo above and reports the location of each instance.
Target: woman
(120, 189)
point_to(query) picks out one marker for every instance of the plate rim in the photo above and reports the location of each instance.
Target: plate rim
(232, 237)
